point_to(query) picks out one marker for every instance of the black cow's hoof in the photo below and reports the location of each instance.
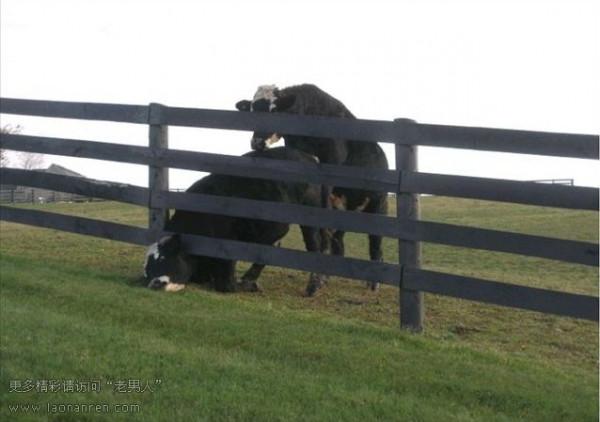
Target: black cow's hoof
(249, 286)
(226, 288)
(315, 282)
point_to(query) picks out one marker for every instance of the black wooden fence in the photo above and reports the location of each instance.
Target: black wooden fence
(405, 182)
(23, 195)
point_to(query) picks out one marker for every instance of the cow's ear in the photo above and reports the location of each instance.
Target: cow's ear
(165, 240)
(170, 243)
(284, 103)
(243, 105)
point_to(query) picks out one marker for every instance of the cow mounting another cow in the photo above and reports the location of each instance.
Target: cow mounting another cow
(308, 99)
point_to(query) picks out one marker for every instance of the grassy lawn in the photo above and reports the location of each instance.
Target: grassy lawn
(72, 309)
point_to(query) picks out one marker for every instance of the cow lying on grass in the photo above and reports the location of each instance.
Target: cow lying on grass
(308, 99)
(168, 267)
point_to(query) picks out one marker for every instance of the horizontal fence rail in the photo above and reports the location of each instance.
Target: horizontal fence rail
(218, 248)
(534, 299)
(76, 110)
(528, 193)
(77, 185)
(79, 225)
(482, 139)
(306, 261)
(505, 140)
(447, 234)
(261, 168)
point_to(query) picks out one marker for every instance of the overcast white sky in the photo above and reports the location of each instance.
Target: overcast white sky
(511, 64)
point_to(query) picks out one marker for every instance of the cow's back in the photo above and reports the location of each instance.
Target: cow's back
(310, 100)
(248, 188)
(313, 101)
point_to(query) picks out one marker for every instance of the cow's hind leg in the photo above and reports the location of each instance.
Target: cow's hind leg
(376, 255)
(337, 243)
(313, 243)
(377, 206)
(325, 234)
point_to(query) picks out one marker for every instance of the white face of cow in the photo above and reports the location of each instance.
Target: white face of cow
(266, 100)
(163, 268)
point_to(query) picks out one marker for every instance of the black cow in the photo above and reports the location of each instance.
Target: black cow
(168, 267)
(310, 100)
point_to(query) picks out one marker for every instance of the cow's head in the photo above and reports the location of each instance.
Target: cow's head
(268, 99)
(167, 267)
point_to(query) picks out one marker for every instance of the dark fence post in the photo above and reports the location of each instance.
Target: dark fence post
(407, 206)
(158, 175)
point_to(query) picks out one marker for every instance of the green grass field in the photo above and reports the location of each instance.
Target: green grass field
(73, 309)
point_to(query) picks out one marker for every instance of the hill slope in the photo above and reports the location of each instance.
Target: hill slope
(220, 358)
(72, 309)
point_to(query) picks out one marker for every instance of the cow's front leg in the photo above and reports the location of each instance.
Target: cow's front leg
(224, 275)
(248, 282)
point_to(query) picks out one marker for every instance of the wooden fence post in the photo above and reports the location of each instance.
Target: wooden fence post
(407, 206)
(158, 175)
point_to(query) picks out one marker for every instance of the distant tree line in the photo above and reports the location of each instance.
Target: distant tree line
(25, 160)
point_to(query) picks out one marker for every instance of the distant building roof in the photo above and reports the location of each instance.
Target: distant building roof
(56, 169)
